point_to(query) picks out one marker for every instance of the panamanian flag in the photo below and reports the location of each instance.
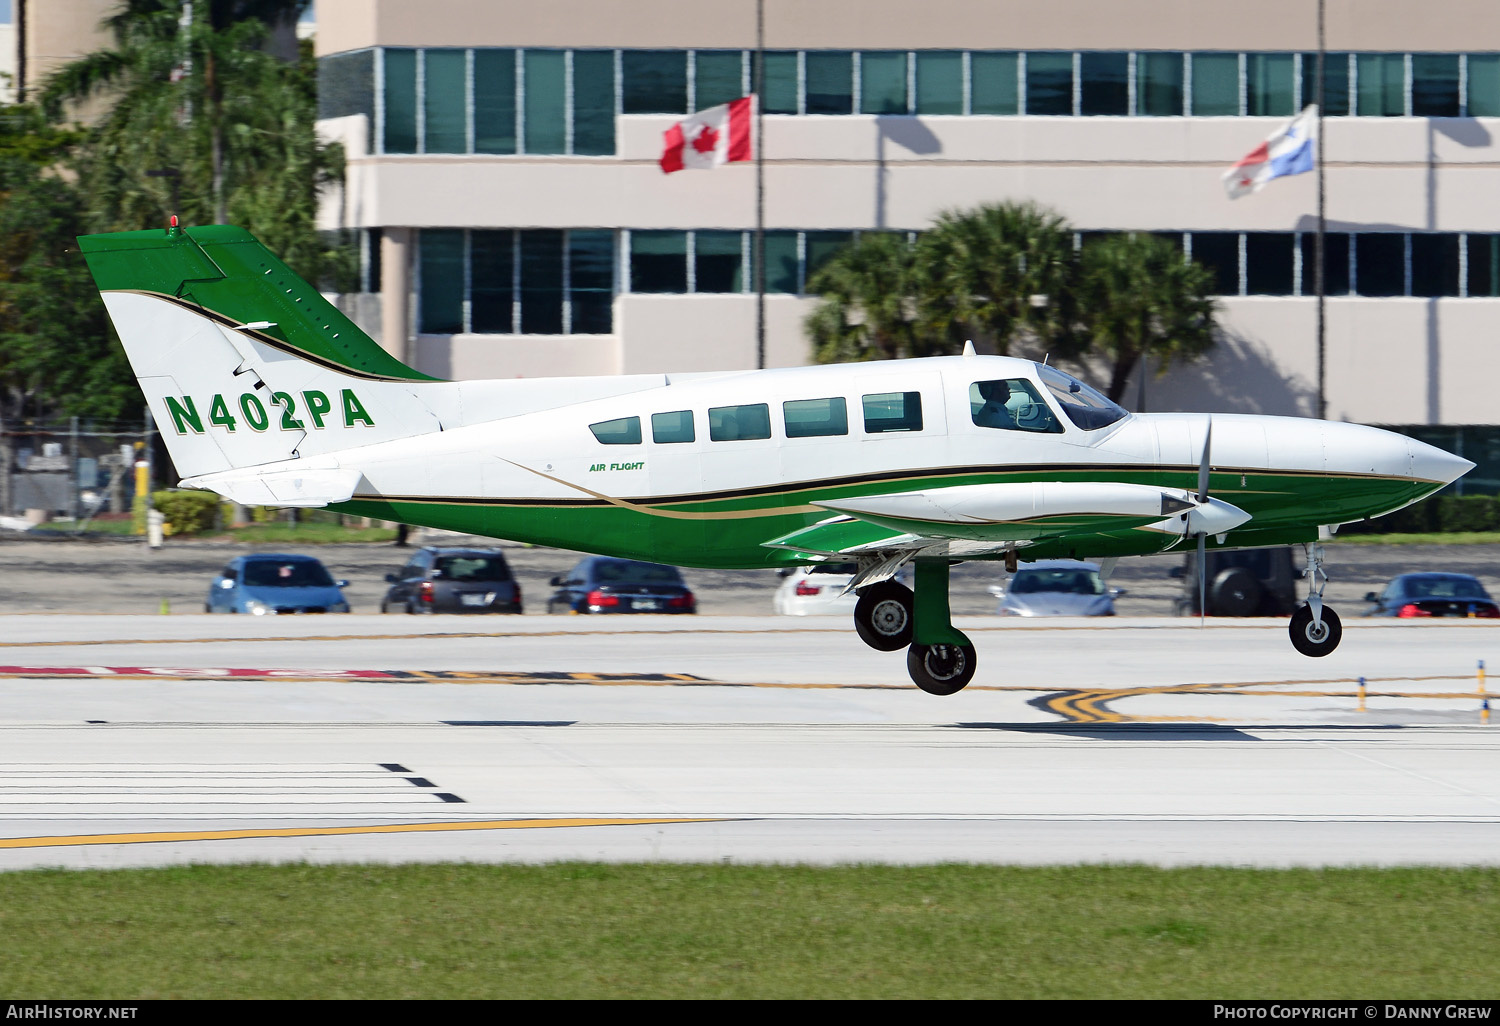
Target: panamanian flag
(718, 135)
(1290, 150)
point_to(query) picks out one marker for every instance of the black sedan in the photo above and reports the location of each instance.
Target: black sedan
(453, 580)
(603, 584)
(1433, 594)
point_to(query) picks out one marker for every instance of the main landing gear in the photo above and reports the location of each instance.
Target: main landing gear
(1315, 628)
(889, 616)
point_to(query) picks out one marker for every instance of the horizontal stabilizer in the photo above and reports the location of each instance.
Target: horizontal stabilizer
(282, 486)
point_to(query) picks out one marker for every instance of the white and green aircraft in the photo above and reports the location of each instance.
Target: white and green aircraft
(268, 395)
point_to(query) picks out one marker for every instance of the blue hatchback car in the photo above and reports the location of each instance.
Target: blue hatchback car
(269, 583)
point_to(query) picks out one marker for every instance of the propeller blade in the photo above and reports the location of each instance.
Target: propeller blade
(1202, 578)
(1208, 434)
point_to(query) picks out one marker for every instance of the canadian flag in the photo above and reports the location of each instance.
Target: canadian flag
(718, 135)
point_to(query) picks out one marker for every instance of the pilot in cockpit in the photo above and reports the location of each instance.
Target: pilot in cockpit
(994, 413)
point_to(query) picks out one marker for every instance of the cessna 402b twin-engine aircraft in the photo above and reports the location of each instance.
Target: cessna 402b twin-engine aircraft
(268, 395)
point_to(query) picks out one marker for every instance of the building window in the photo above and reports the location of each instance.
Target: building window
(1049, 83)
(882, 83)
(1158, 84)
(1484, 85)
(1435, 85)
(445, 75)
(658, 261)
(1380, 85)
(1216, 84)
(593, 102)
(718, 77)
(1434, 264)
(994, 83)
(1270, 263)
(940, 82)
(719, 262)
(1483, 253)
(653, 82)
(1335, 264)
(1380, 264)
(591, 282)
(492, 294)
(1219, 252)
(1270, 85)
(782, 259)
(546, 129)
(400, 96)
(346, 85)
(542, 279)
(830, 82)
(441, 270)
(1103, 84)
(1335, 83)
(495, 101)
(783, 82)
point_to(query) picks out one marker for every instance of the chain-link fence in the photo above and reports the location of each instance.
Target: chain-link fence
(65, 471)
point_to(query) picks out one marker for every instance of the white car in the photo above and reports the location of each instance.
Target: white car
(816, 590)
(1056, 587)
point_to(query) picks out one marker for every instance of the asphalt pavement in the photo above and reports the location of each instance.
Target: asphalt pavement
(57, 574)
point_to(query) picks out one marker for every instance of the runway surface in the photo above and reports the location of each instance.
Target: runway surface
(152, 740)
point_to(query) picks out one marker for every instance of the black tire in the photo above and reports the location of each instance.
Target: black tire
(941, 669)
(1235, 592)
(1311, 642)
(883, 616)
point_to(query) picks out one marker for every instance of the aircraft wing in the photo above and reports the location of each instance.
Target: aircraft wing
(969, 520)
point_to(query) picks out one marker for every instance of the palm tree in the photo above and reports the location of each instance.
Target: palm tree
(1137, 296)
(870, 303)
(1002, 271)
(189, 90)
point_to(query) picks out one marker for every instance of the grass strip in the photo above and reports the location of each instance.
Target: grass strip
(576, 930)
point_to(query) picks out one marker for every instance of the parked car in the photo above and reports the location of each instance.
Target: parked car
(1241, 582)
(1433, 594)
(604, 584)
(440, 579)
(1056, 587)
(818, 589)
(269, 583)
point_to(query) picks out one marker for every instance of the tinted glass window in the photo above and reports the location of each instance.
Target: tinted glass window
(806, 418)
(1220, 253)
(658, 261)
(1484, 265)
(593, 102)
(781, 83)
(1380, 264)
(1012, 404)
(265, 573)
(1086, 407)
(591, 290)
(541, 281)
(444, 86)
(718, 77)
(400, 101)
(1049, 83)
(1335, 264)
(546, 93)
(621, 431)
(1484, 85)
(1381, 88)
(1335, 82)
(821, 246)
(492, 288)
(672, 427)
(781, 262)
(738, 423)
(1104, 83)
(994, 85)
(893, 411)
(494, 101)
(1216, 84)
(346, 85)
(1270, 259)
(940, 82)
(830, 82)
(718, 262)
(471, 568)
(441, 252)
(882, 83)
(1434, 265)
(1270, 86)
(1158, 84)
(654, 81)
(1434, 85)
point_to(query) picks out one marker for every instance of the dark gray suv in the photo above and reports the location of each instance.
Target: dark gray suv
(1241, 582)
(453, 580)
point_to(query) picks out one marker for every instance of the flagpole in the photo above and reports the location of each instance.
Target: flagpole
(760, 184)
(1318, 252)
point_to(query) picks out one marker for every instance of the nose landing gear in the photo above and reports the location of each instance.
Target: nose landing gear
(1315, 628)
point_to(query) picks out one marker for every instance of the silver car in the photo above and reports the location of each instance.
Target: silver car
(1056, 587)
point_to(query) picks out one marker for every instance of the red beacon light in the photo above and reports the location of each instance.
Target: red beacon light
(172, 228)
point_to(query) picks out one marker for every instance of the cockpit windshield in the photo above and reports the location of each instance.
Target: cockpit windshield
(1086, 407)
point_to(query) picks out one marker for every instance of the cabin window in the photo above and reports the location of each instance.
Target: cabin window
(672, 427)
(738, 423)
(806, 418)
(1086, 407)
(1010, 403)
(893, 411)
(620, 431)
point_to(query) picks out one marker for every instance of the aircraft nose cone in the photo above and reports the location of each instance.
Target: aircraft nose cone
(1429, 463)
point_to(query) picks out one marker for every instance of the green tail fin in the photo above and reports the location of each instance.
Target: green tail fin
(224, 270)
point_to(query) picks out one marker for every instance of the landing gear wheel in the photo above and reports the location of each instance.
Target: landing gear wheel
(883, 616)
(941, 669)
(1235, 592)
(1309, 638)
